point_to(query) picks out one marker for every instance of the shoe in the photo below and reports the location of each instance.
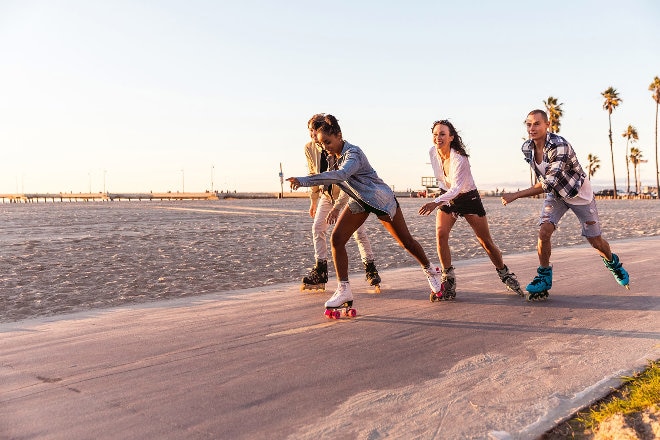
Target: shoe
(371, 273)
(342, 295)
(620, 274)
(509, 278)
(435, 279)
(542, 282)
(448, 283)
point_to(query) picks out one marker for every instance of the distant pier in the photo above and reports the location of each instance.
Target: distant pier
(109, 197)
(104, 197)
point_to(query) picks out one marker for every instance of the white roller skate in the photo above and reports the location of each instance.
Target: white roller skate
(341, 303)
(434, 276)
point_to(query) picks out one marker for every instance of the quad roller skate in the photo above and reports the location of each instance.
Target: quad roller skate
(439, 285)
(341, 303)
(510, 280)
(542, 282)
(316, 278)
(371, 275)
(620, 274)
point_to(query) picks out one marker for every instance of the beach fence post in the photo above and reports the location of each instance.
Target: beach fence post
(281, 182)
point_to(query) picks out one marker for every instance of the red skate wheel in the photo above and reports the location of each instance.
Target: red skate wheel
(328, 313)
(336, 314)
(352, 313)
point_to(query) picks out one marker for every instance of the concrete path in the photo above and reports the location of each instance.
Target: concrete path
(266, 363)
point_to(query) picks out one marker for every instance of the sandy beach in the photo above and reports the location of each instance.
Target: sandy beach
(66, 257)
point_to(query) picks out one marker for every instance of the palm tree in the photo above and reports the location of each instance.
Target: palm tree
(554, 113)
(594, 164)
(636, 159)
(655, 88)
(629, 134)
(612, 101)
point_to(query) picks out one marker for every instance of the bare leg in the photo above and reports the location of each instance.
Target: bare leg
(602, 246)
(399, 230)
(347, 224)
(544, 247)
(443, 224)
(480, 227)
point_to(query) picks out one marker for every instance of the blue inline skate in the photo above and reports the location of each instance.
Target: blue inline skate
(542, 282)
(620, 274)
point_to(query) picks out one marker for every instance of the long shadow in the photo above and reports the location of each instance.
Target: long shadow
(586, 301)
(504, 327)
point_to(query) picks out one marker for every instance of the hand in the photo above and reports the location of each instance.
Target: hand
(332, 216)
(427, 208)
(295, 183)
(507, 198)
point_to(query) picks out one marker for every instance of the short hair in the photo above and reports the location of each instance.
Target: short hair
(543, 114)
(328, 125)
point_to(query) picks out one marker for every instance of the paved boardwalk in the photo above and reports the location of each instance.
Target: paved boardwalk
(265, 363)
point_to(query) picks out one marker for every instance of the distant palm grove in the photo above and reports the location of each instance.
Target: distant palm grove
(633, 155)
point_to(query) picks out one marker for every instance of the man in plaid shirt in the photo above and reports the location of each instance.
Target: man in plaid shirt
(560, 176)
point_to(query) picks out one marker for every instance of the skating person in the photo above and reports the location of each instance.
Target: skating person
(369, 194)
(561, 178)
(459, 198)
(326, 201)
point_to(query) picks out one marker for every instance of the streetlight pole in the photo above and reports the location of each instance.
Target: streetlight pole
(183, 186)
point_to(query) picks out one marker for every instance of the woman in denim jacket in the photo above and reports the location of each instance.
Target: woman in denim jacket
(369, 194)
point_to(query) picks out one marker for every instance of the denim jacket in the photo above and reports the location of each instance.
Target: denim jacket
(564, 175)
(358, 179)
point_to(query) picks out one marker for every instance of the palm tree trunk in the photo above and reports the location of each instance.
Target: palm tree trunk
(612, 155)
(628, 164)
(657, 175)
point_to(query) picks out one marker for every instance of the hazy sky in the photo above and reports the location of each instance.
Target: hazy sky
(172, 95)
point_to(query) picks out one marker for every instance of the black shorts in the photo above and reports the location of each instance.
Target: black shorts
(370, 209)
(465, 204)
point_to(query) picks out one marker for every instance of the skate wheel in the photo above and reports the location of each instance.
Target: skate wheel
(336, 314)
(352, 313)
(328, 313)
(377, 288)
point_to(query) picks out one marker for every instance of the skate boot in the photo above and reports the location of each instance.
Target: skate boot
(542, 282)
(442, 282)
(316, 278)
(620, 274)
(448, 279)
(341, 303)
(371, 275)
(509, 278)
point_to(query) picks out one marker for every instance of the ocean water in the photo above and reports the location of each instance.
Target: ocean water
(63, 257)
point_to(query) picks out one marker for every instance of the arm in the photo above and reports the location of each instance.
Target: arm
(339, 204)
(529, 192)
(310, 155)
(459, 177)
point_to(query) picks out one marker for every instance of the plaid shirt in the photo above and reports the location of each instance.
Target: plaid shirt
(564, 175)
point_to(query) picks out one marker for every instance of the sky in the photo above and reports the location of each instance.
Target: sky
(139, 96)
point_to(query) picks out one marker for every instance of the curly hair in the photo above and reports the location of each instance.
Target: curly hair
(457, 143)
(328, 125)
(313, 119)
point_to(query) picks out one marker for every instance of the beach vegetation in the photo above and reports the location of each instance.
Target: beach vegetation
(655, 88)
(555, 113)
(612, 101)
(638, 393)
(631, 137)
(593, 164)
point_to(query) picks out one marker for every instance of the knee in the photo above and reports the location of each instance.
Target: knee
(443, 235)
(546, 230)
(337, 239)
